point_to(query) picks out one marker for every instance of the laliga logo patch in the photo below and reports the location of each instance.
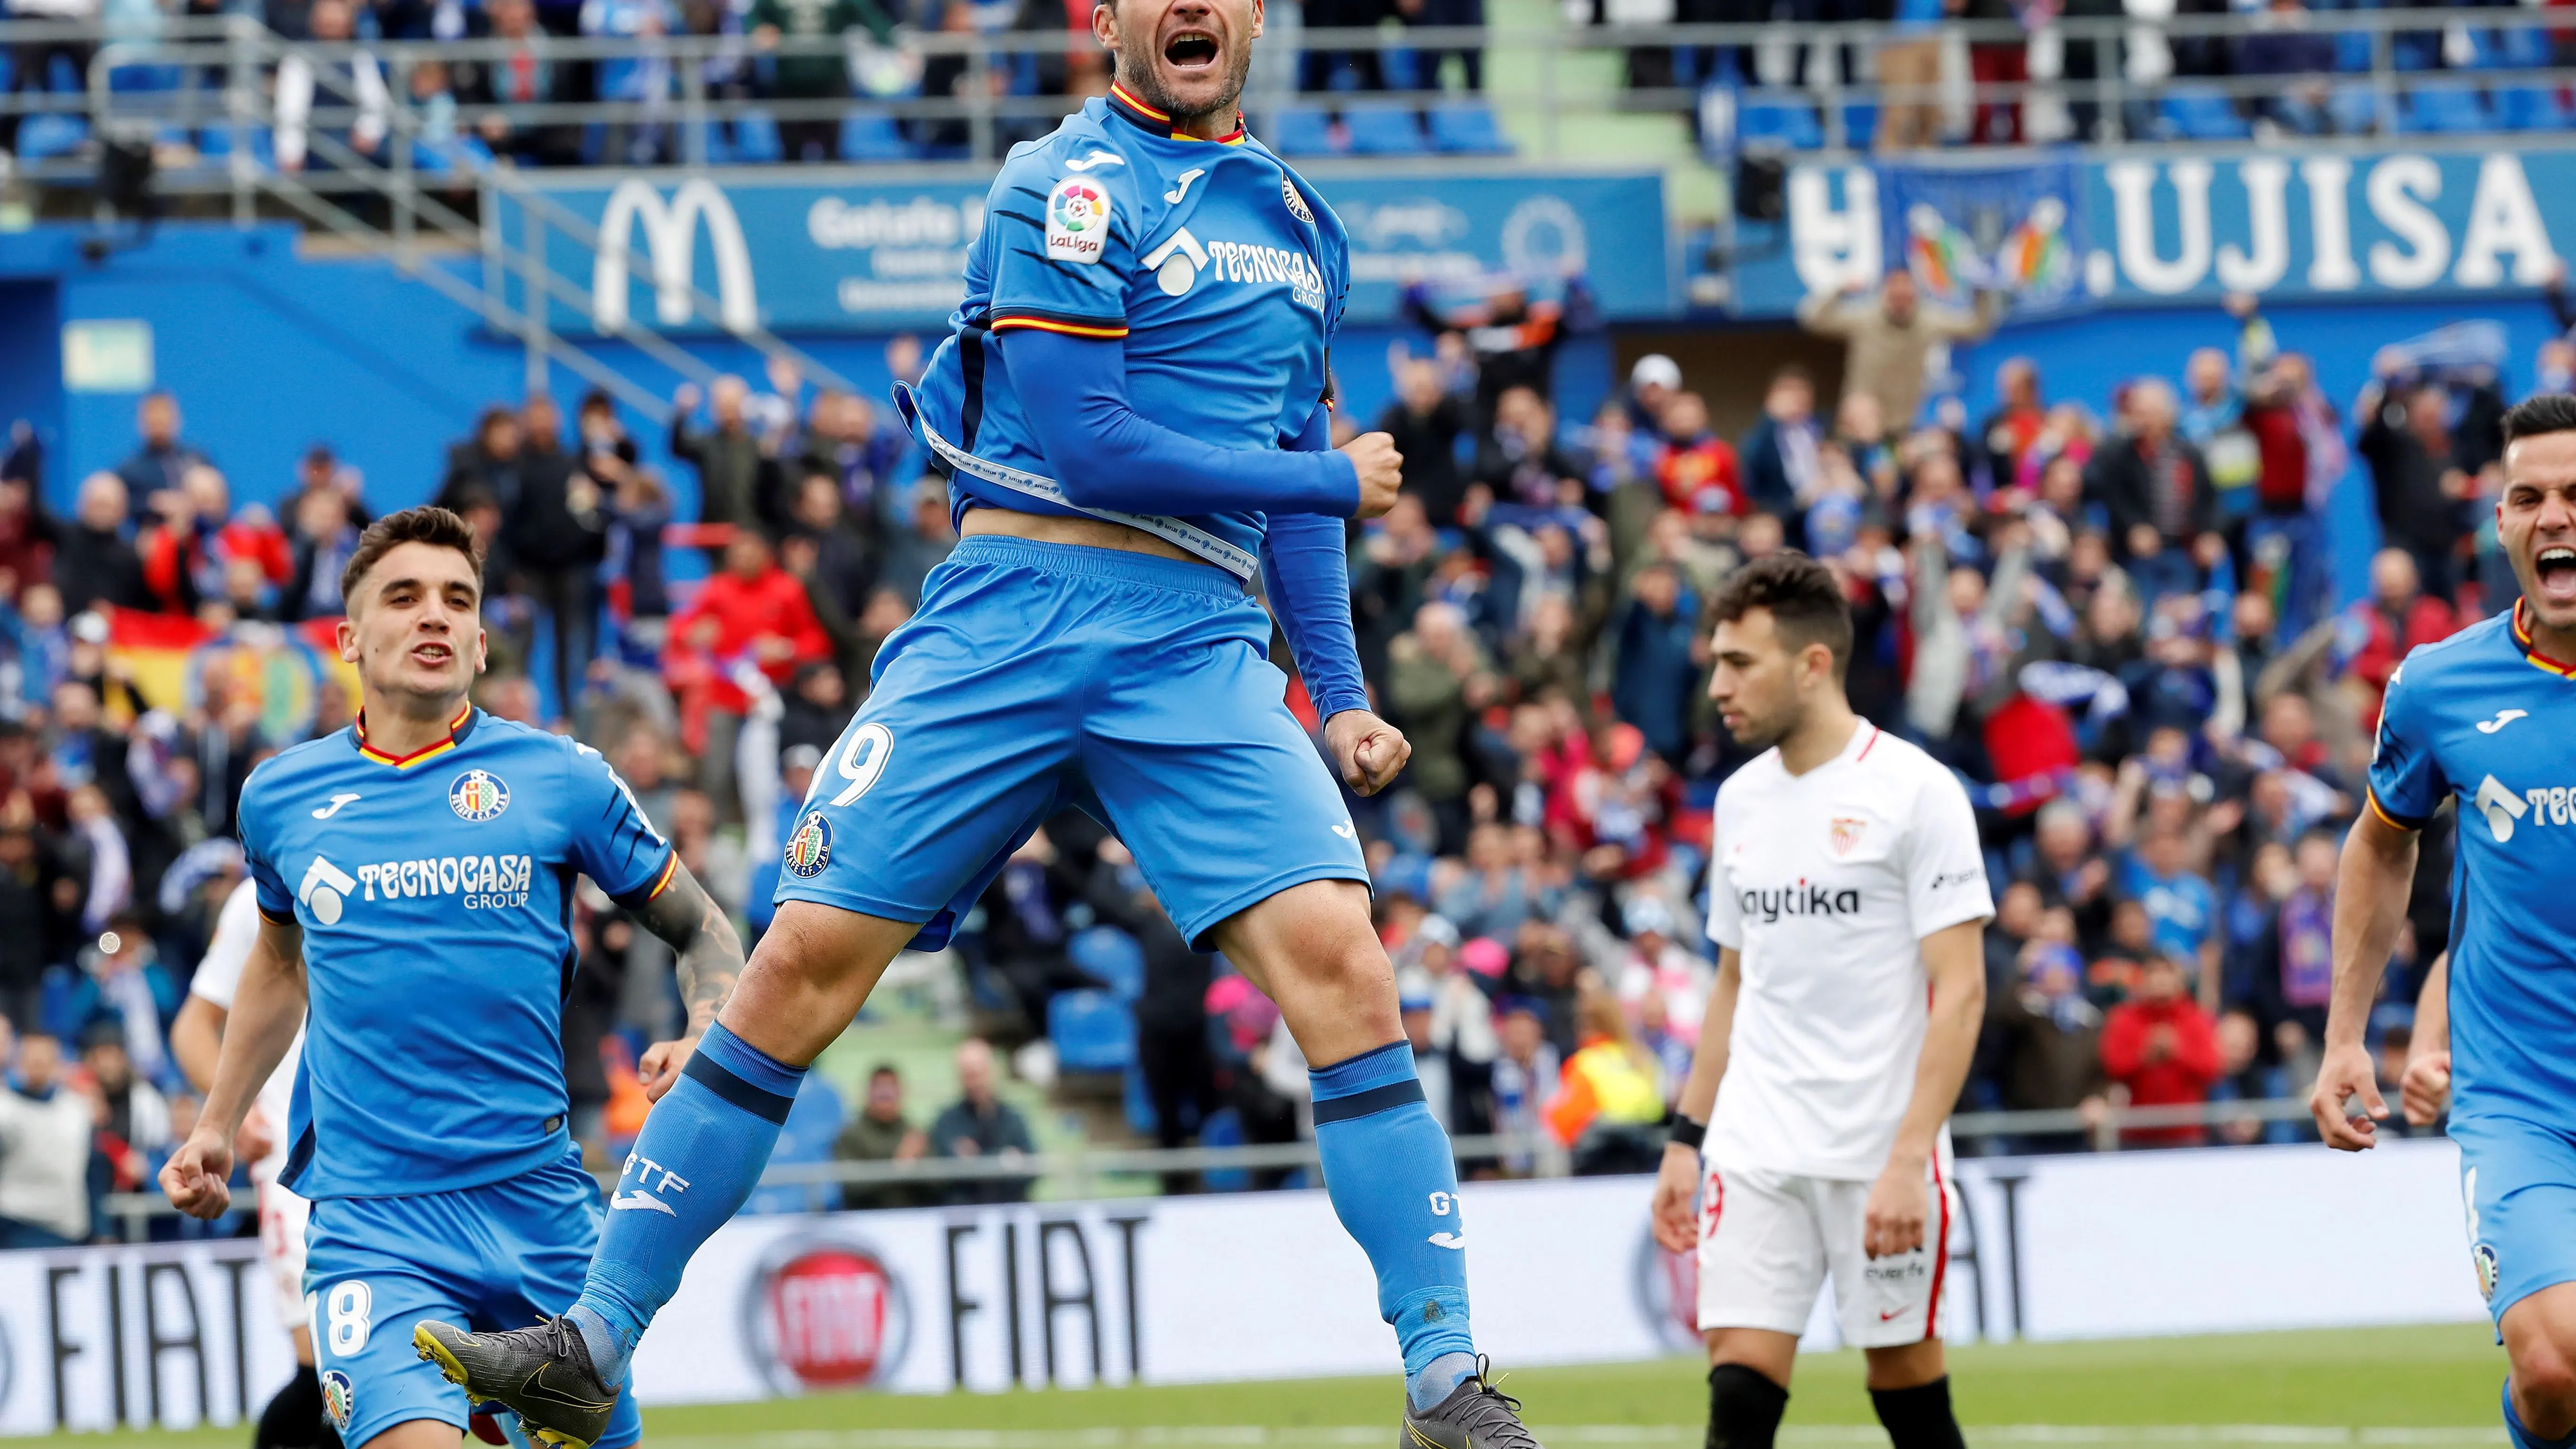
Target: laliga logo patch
(1296, 203)
(2485, 1257)
(478, 795)
(1077, 221)
(809, 849)
(339, 1398)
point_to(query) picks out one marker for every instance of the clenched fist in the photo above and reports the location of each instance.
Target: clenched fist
(1381, 470)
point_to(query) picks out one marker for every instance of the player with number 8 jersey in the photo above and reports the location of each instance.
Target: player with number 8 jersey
(414, 875)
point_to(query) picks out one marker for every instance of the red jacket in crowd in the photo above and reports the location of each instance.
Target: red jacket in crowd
(2425, 621)
(2165, 1053)
(725, 623)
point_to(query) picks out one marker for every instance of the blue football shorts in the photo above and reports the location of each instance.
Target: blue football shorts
(1037, 676)
(493, 1257)
(2518, 1185)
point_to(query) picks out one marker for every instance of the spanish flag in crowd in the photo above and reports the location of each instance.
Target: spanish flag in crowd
(177, 663)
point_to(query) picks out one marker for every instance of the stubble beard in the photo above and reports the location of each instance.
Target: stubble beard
(1145, 83)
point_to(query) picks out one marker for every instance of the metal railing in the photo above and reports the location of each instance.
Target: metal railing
(1083, 1173)
(224, 66)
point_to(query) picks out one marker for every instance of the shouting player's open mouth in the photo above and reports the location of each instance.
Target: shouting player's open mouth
(1191, 50)
(2556, 571)
(432, 654)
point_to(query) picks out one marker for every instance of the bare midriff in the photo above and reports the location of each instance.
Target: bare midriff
(1063, 528)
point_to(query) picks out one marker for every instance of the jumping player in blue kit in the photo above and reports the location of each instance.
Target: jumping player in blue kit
(2488, 718)
(1133, 409)
(414, 874)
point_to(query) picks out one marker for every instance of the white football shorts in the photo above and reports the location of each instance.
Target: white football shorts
(1767, 1241)
(282, 1220)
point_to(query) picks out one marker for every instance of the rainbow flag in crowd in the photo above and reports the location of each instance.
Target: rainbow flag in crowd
(179, 664)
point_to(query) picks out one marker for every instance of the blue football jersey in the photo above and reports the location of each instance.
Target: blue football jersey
(435, 893)
(2485, 718)
(1218, 265)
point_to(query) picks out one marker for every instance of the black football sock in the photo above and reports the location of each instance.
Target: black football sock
(1919, 1417)
(293, 1419)
(1744, 1408)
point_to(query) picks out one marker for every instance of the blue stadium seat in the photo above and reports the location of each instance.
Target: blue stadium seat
(63, 77)
(134, 79)
(1111, 955)
(51, 134)
(1860, 124)
(2416, 50)
(2196, 113)
(216, 143)
(1402, 70)
(755, 139)
(2448, 110)
(1384, 131)
(2534, 108)
(2521, 48)
(2352, 50)
(1093, 1031)
(2354, 109)
(1467, 128)
(873, 136)
(1779, 125)
(1300, 131)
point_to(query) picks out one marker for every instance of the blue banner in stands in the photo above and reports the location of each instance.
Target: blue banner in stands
(847, 252)
(2340, 226)
(2014, 229)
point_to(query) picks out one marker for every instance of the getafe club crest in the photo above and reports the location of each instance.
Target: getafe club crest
(2485, 1257)
(1077, 221)
(477, 795)
(1846, 833)
(809, 849)
(339, 1398)
(1296, 203)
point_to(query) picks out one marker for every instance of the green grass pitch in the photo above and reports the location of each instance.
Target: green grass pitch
(2398, 1386)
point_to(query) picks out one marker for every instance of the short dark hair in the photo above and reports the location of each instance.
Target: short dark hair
(429, 524)
(2551, 412)
(1804, 599)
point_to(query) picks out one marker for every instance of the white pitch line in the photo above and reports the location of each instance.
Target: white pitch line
(1257, 1436)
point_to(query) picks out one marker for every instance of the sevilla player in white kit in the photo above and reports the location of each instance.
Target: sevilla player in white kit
(1848, 901)
(296, 1416)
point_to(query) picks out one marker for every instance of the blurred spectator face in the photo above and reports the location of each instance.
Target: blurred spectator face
(331, 20)
(2151, 409)
(2206, 375)
(243, 584)
(2017, 383)
(975, 1073)
(2393, 580)
(2017, 914)
(2273, 871)
(1417, 381)
(2317, 860)
(693, 816)
(499, 433)
(885, 1095)
(541, 420)
(1654, 379)
(2112, 615)
(106, 1059)
(1658, 590)
(1417, 1024)
(598, 424)
(157, 419)
(1792, 398)
(1861, 418)
(321, 514)
(2238, 1039)
(885, 613)
(41, 605)
(2130, 928)
(1897, 297)
(1685, 418)
(747, 554)
(2288, 724)
(2089, 556)
(207, 493)
(40, 1062)
(639, 757)
(2428, 417)
(2064, 837)
(1760, 536)
(818, 502)
(75, 706)
(512, 19)
(726, 398)
(513, 697)
(428, 79)
(821, 686)
(2254, 617)
(2557, 365)
(1522, 1035)
(1967, 591)
(1936, 477)
(2162, 980)
(102, 503)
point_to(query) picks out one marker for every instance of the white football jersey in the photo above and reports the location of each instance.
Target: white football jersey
(1825, 884)
(218, 978)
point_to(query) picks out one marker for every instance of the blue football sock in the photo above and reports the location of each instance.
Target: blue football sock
(2522, 1437)
(1394, 1185)
(702, 1150)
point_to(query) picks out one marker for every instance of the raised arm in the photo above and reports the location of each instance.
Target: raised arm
(266, 1012)
(1307, 568)
(710, 962)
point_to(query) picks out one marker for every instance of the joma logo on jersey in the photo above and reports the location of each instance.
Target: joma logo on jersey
(1806, 898)
(487, 882)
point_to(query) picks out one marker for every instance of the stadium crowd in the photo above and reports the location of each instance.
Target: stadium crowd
(2111, 616)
